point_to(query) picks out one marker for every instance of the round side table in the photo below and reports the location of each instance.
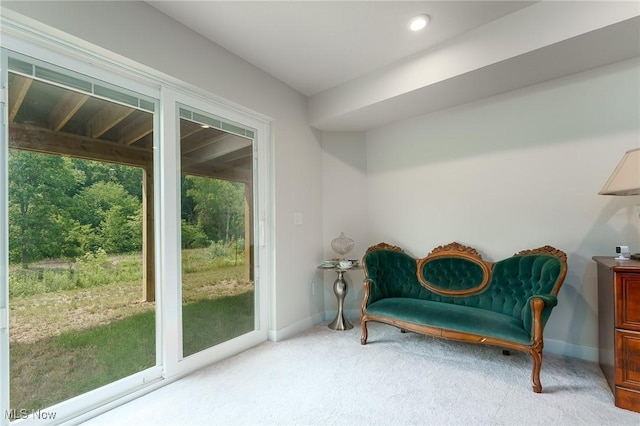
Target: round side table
(340, 289)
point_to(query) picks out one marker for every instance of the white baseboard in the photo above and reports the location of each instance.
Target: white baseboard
(557, 347)
(293, 329)
(352, 315)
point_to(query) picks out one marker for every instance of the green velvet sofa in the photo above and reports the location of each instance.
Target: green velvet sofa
(454, 294)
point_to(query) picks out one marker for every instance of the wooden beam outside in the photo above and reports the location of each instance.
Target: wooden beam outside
(221, 146)
(148, 241)
(217, 171)
(17, 92)
(188, 129)
(68, 105)
(234, 157)
(137, 129)
(107, 118)
(37, 139)
(248, 232)
(199, 139)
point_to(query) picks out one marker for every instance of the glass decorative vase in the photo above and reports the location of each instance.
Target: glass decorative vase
(342, 245)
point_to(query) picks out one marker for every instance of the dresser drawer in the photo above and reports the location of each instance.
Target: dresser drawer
(628, 301)
(628, 359)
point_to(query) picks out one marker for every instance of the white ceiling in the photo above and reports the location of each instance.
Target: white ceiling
(361, 68)
(315, 45)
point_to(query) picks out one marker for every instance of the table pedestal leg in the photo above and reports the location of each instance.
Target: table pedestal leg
(340, 289)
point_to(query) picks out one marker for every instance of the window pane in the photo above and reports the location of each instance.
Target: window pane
(217, 238)
(82, 308)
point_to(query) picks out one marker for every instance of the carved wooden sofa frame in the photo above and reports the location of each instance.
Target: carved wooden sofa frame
(454, 282)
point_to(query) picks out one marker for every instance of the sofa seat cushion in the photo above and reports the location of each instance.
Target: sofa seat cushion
(451, 317)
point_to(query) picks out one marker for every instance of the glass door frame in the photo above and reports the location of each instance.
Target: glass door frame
(171, 100)
(23, 38)
(4, 244)
(85, 402)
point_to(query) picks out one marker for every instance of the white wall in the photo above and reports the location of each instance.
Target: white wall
(513, 172)
(344, 209)
(139, 32)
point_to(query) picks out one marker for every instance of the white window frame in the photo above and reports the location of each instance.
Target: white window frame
(30, 39)
(4, 246)
(171, 100)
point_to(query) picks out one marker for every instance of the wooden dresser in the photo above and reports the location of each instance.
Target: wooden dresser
(619, 328)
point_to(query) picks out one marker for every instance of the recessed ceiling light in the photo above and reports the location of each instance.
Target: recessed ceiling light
(418, 22)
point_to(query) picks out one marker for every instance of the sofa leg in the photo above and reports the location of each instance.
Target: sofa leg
(365, 333)
(535, 373)
(506, 352)
(402, 330)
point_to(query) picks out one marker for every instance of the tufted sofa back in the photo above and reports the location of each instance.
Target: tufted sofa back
(394, 273)
(457, 274)
(517, 278)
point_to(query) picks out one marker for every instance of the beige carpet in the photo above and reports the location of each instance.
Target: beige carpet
(324, 377)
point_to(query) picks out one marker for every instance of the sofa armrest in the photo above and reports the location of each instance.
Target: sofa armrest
(527, 316)
(371, 293)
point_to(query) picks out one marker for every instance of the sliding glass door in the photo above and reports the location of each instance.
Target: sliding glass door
(135, 233)
(218, 288)
(81, 285)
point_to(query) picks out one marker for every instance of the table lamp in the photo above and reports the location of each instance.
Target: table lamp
(625, 179)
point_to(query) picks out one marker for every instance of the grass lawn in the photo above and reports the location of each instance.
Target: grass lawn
(57, 368)
(68, 342)
(209, 322)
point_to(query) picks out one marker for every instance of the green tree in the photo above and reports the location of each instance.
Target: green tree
(219, 207)
(93, 203)
(192, 236)
(127, 176)
(40, 191)
(187, 203)
(121, 233)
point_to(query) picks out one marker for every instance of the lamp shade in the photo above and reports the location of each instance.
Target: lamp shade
(625, 179)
